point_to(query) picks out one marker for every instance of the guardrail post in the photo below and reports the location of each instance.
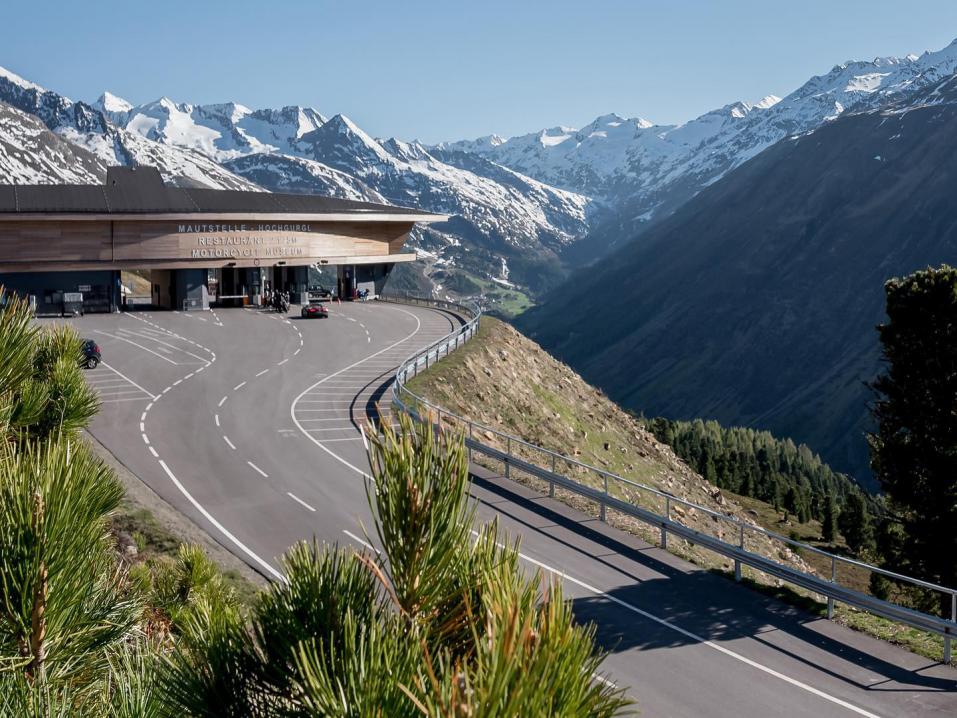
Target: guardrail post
(953, 618)
(508, 456)
(664, 531)
(830, 601)
(603, 515)
(470, 446)
(551, 484)
(737, 561)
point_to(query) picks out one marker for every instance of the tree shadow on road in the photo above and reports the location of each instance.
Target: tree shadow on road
(656, 589)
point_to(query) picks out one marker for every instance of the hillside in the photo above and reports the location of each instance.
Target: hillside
(755, 303)
(506, 381)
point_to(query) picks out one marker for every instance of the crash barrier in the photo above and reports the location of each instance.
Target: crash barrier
(615, 488)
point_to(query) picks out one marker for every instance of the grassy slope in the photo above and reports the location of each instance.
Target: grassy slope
(506, 381)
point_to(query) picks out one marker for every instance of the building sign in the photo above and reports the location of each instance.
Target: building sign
(244, 241)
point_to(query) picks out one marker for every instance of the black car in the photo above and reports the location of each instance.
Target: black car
(314, 310)
(91, 354)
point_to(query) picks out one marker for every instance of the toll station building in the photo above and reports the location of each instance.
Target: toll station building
(64, 246)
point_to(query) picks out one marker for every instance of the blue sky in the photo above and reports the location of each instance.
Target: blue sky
(448, 70)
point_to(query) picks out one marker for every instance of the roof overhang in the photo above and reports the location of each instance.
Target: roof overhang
(205, 217)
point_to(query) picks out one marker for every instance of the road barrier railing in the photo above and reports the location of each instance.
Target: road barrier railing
(618, 494)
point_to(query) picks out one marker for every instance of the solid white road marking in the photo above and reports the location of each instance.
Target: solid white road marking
(209, 517)
(292, 407)
(299, 501)
(231, 444)
(128, 341)
(151, 396)
(258, 470)
(695, 637)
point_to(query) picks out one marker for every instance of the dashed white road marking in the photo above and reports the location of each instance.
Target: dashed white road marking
(217, 419)
(299, 501)
(239, 386)
(282, 362)
(153, 452)
(222, 401)
(258, 470)
(229, 443)
(262, 372)
(360, 540)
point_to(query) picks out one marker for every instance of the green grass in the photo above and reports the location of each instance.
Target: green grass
(503, 301)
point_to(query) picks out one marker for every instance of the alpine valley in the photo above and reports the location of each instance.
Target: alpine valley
(633, 237)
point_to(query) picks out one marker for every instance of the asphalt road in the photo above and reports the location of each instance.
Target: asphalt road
(247, 423)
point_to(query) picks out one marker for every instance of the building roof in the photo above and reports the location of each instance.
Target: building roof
(141, 190)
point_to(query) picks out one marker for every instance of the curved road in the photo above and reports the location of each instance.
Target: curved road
(247, 422)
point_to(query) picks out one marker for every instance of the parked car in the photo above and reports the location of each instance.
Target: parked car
(91, 354)
(314, 310)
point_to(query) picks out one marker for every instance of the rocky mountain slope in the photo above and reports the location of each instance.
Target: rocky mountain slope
(645, 171)
(755, 303)
(28, 150)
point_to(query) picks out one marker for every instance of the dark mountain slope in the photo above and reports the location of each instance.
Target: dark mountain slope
(756, 302)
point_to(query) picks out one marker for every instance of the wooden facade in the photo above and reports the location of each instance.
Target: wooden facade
(59, 242)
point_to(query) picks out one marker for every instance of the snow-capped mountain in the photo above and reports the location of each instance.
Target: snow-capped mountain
(504, 226)
(87, 127)
(499, 215)
(646, 171)
(222, 131)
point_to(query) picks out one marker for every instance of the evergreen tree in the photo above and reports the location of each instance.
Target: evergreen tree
(855, 523)
(914, 451)
(829, 521)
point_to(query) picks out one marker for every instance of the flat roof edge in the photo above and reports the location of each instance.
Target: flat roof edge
(367, 216)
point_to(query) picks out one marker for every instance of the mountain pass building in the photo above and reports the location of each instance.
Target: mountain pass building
(63, 244)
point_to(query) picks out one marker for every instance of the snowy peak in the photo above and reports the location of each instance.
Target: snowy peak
(15, 79)
(108, 102)
(341, 143)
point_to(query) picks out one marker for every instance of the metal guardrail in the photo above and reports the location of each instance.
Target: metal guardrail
(421, 410)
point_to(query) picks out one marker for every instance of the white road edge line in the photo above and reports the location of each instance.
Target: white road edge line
(699, 639)
(209, 517)
(299, 501)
